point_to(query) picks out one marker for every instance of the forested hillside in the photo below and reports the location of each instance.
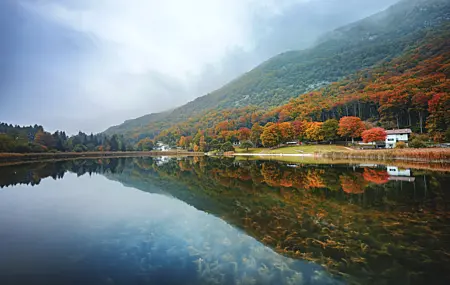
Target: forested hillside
(374, 41)
(410, 91)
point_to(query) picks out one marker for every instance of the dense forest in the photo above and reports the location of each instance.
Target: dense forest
(410, 91)
(34, 139)
(341, 56)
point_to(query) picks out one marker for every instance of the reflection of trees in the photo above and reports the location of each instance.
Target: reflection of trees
(343, 234)
(314, 179)
(384, 233)
(376, 176)
(299, 178)
(32, 174)
(353, 183)
(272, 175)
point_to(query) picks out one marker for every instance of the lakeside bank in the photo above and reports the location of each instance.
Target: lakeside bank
(429, 155)
(29, 157)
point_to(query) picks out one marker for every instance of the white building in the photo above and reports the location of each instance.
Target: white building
(161, 147)
(394, 136)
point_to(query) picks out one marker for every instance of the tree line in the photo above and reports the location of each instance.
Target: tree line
(34, 139)
(276, 134)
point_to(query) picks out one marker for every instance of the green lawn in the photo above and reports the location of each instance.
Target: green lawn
(250, 150)
(295, 149)
(308, 149)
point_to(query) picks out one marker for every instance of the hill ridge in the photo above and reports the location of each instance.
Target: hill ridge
(343, 52)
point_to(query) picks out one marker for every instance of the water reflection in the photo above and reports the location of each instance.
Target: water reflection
(371, 224)
(91, 231)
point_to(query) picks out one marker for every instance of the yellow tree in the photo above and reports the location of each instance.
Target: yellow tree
(271, 135)
(182, 142)
(314, 131)
(202, 144)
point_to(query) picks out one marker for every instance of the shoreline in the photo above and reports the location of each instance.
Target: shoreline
(406, 155)
(413, 155)
(276, 154)
(38, 157)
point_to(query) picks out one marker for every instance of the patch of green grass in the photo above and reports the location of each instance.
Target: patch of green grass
(308, 149)
(250, 150)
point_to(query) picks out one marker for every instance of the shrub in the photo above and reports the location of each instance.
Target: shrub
(22, 148)
(227, 147)
(214, 145)
(79, 148)
(401, 145)
(246, 145)
(447, 135)
(417, 143)
(34, 147)
(421, 137)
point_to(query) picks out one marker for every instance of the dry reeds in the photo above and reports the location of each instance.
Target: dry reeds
(422, 154)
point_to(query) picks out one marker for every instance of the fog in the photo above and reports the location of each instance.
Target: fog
(86, 65)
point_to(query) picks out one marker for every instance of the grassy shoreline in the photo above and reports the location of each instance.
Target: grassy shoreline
(430, 155)
(421, 155)
(26, 157)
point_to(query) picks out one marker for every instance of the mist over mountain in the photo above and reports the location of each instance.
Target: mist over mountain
(86, 65)
(366, 43)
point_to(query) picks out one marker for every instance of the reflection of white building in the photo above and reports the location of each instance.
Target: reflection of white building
(368, 165)
(162, 160)
(395, 171)
(398, 174)
(394, 136)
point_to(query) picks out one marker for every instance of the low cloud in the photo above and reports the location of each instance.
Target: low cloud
(81, 61)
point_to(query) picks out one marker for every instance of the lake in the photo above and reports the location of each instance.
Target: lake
(223, 221)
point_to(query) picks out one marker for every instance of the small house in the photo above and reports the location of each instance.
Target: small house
(161, 146)
(399, 135)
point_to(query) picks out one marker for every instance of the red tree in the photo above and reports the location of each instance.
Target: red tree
(376, 176)
(374, 134)
(299, 129)
(244, 134)
(351, 127)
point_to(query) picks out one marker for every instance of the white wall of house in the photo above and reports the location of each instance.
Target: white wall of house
(391, 140)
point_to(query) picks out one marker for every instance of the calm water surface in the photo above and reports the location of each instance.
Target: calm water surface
(221, 221)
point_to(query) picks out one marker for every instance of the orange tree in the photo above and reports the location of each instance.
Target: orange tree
(374, 134)
(351, 127)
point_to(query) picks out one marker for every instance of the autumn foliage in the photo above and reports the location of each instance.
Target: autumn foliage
(409, 91)
(376, 176)
(351, 127)
(374, 135)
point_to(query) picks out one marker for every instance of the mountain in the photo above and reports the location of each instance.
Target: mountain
(343, 52)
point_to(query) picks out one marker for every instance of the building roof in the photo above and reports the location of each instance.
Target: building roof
(398, 131)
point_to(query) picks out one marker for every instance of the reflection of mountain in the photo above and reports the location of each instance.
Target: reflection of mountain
(340, 217)
(351, 220)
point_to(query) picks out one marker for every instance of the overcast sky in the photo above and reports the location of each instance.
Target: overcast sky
(89, 64)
